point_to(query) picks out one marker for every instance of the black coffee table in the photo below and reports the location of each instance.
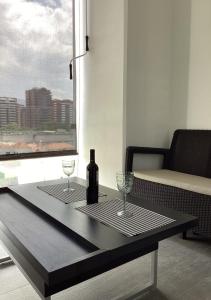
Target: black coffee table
(56, 246)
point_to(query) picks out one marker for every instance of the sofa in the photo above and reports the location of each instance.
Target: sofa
(184, 181)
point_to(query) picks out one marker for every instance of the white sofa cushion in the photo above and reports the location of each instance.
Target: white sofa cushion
(184, 181)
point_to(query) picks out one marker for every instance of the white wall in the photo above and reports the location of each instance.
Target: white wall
(169, 69)
(158, 56)
(33, 170)
(168, 77)
(199, 100)
(102, 100)
(158, 65)
(149, 67)
(180, 64)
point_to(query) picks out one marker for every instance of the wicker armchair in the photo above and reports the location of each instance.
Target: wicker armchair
(189, 156)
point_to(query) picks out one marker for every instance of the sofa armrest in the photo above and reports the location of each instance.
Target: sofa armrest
(131, 150)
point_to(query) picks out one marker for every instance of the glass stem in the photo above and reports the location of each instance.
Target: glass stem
(125, 199)
(68, 183)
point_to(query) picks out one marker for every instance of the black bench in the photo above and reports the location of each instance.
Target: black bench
(184, 181)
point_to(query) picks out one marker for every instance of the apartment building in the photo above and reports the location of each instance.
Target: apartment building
(38, 107)
(8, 111)
(62, 111)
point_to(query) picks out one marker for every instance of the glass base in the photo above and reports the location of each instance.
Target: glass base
(125, 214)
(68, 190)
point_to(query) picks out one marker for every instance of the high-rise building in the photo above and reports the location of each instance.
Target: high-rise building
(56, 111)
(67, 111)
(21, 115)
(8, 111)
(38, 107)
(62, 112)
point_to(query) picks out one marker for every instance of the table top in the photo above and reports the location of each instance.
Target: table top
(55, 241)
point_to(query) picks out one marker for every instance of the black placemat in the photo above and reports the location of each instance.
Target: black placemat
(142, 220)
(57, 191)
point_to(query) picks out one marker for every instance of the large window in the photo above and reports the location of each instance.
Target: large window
(37, 106)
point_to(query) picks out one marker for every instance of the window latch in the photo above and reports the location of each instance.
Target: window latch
(79, 56)
(86, 48)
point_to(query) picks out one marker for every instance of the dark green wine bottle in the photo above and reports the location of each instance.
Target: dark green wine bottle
(92, 180)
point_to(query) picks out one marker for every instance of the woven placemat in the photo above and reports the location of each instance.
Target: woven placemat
(57, 191)
(142, 220)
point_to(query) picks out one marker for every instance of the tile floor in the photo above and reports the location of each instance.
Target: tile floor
(184, 274)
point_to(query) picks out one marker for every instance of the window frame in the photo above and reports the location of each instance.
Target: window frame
(42, 154)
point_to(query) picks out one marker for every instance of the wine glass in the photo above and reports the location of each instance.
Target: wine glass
(68, 167)
(124, 185)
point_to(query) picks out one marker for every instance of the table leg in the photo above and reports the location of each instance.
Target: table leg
(154, 268)
(153, 280)
(184, 235)
(6, 259)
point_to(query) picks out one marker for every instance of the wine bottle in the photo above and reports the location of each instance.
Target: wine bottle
(92, 180)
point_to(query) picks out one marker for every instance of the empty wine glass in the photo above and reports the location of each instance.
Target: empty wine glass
(124, 185)
(68, 167)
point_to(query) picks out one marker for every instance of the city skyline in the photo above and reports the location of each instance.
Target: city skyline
(41, 110)
(36, 49)
(23, 100)
(36, 46)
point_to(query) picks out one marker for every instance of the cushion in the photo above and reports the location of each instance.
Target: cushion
(184, 181)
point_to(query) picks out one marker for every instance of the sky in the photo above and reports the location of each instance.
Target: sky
(35, 47)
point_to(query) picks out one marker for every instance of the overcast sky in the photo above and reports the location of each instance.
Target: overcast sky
(35, 46)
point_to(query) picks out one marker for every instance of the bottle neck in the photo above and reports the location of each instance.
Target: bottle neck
(92, 155)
